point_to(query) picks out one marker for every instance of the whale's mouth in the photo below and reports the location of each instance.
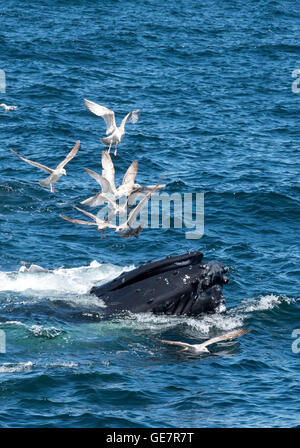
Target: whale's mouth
(150, 270)
(180, 285)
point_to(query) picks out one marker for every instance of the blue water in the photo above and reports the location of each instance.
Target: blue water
(218, 116)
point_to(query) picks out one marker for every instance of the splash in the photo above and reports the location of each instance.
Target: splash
(263, 303)
(35, 330)
(48, 283)
(16, 367)
(205, 326)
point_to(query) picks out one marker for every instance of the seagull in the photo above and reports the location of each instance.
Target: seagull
(107, 181)
(201, 348)
(102, 225)
(106, 195)
(6, 108)
(116, 133)
(101, 197)
(34, 268)
(126, 228)
(55, 174)
(128, 186)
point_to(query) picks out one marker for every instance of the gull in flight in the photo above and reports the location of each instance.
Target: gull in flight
(113, 132)
(54, 175)
(201, 348)
(102, 225)
(6, 108)
(126, 229)
(107, 181)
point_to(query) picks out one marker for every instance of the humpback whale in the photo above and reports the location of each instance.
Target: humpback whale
(178, 285)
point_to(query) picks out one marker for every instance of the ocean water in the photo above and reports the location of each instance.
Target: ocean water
(213, 81)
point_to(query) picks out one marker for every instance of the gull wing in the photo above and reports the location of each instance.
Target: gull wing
(101, 111)
(111, 202)
(225, 337)
(90, 215)
(133, 197)
(94, 201)
(95, 218)
(70, 156)
(134, 213)
(131, 173)
(78, 221)
(144, 190)
(94, 175)
(108, 170)
(141, 191)
(31, 162)
(132, 116)
(181, 344)
(105, 185)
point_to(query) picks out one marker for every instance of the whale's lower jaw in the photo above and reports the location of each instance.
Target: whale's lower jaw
(180, 285)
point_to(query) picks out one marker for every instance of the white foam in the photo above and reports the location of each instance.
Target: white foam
(36, 330)
(215, 322)
(49, 332)
(27, 366)
(201, 327)
(206, 326)
(75, 280)
(263, 303)
(16, 367)
(73, 285)
(67, 365)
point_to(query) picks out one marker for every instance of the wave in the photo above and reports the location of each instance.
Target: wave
(62, 280)
(35, 330)
(73, 285)
(202, 327)
(11, 367)
(16, 367)
(263, 303)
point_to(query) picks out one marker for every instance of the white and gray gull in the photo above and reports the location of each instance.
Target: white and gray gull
(126, 228)
(113, 132)
(54, 175)
(201, 348)
(107, 181)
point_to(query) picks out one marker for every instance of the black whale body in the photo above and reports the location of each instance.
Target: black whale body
(179, 285)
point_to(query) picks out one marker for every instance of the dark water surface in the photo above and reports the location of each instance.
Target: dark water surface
(218, 116)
